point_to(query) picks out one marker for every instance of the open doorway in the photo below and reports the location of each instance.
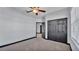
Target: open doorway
(40, 29)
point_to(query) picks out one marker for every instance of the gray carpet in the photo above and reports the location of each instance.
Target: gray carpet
(37, 44)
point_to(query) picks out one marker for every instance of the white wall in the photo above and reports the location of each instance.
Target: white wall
(75, 29)
(63, 13)
(57, 14)
(38, 20)
(15, 26)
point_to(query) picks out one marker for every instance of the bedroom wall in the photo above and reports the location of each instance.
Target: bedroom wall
(75, 29)
(15, 26)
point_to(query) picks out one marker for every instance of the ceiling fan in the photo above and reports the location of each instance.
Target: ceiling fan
(35, 10)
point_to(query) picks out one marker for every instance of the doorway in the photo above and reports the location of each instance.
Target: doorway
(40, 29)
(57, 30)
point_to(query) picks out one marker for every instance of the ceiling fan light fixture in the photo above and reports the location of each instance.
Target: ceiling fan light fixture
(35, 11)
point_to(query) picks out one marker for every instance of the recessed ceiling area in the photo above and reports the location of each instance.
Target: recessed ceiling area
(47, 9)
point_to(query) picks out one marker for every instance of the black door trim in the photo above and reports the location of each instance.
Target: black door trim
(57, 19)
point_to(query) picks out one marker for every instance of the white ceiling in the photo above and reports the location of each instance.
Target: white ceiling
(48, 10)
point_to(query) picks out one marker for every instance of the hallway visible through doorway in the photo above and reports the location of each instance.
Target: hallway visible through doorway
(40, 28)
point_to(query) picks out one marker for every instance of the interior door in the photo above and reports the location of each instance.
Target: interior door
(57, 30)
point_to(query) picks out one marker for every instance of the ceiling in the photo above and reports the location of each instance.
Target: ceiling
(48, 11)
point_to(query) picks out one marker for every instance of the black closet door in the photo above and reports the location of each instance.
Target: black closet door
(57, 30)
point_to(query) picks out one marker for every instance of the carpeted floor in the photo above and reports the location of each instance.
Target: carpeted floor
(37, 44)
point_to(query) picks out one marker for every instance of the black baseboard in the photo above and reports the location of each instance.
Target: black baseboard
(16, 42)
(70, 46)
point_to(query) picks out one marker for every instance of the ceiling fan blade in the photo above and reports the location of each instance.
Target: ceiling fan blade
(30, 7)
(29, 11)
(36, 13)
(42, 10)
